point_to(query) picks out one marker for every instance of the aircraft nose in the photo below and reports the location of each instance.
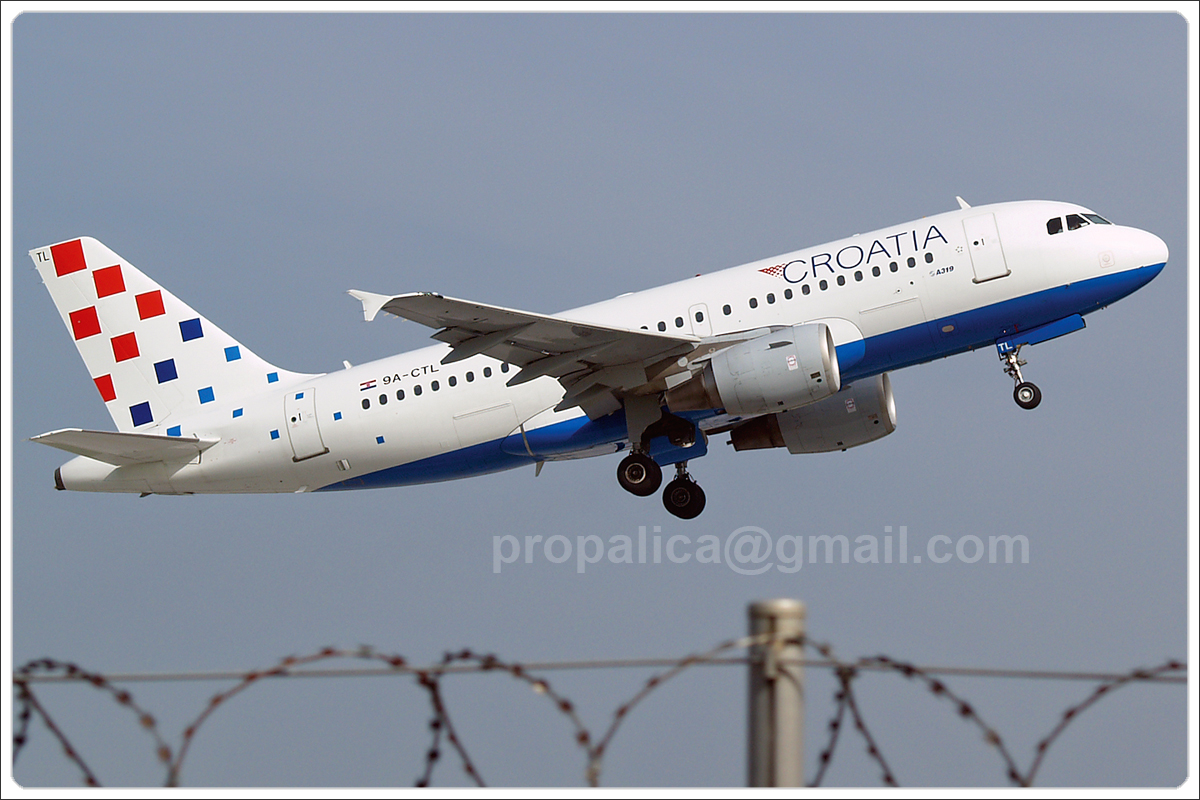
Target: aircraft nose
(1148, 254)
(1154, 250)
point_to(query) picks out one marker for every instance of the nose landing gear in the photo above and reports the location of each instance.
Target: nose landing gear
(1027, 394)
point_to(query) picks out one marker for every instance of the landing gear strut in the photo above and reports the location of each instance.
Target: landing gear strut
(683, 497)
(640, 474)
(1026, 394)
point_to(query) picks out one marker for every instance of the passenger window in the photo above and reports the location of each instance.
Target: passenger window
(727, 309)
(417, 390)
(662, 326)
(434, 385)
(875, 271)
(699, 316)
(487, 373)
(841, 280)
(912, 262)
(929, 258)
(824, 285)
(857, 275)
(366, 403)
(470, 377)
(399, 394)
(892, 266)
(679, 322)
(453, 381)
(771, 297)
(787, 294)
(383, 399)
(754, 302)
(1054, 226)
(804, 289)
(504, 367)
(1075, 222)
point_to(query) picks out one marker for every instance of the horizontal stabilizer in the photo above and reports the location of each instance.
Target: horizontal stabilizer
(122, 449)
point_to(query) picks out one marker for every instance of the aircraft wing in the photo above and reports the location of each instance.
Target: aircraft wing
(595, 363)
(121, 449)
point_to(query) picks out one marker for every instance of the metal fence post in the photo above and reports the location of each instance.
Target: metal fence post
(776, 702)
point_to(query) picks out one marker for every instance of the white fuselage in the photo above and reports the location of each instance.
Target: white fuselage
(891, 298)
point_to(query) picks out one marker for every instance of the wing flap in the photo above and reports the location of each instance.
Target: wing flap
(122, 449)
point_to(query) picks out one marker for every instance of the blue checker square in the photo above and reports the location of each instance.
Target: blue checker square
(141, 414)
(237, 412)
(174, 431)
(165, 370)
(299, 395)
(272, 377)
(206, 395)
(337, 415)
(275, 434)
(190, 329)
(378, 440)
(233, 353)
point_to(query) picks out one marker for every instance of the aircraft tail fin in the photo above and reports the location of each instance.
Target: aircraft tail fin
(153, 359)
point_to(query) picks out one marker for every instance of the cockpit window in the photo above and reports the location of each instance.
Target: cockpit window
(1074, 222)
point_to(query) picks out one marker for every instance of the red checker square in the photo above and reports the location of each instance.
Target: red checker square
(109, 281)
(150, 304)
(105, 385)
(125, 346)
(84, 323)
(68, 257)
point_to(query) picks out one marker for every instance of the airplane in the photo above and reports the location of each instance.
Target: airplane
(792, 351)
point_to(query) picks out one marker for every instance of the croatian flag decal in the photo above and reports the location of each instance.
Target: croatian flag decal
(362, 387)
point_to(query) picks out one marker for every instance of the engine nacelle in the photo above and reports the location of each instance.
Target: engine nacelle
(866, 411)
(783, 370)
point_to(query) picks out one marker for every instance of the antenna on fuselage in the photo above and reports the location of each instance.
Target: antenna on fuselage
(962, 203)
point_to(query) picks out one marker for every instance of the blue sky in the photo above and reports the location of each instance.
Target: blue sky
(259, 165)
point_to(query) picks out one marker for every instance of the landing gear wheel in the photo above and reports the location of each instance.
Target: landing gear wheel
(1027, 395)
(684, 498)
(639, 474)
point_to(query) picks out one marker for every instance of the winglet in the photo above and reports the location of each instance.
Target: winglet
(371, 302)
(962, 203)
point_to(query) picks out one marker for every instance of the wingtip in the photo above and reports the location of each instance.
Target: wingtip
(371, 302)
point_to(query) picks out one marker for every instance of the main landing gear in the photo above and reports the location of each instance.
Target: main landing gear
(639, 474)
(1026, 394)
(683, 497)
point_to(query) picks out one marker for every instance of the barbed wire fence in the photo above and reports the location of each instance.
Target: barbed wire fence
(593, 747)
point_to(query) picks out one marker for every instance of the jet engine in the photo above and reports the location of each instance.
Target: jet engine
(778, 371)
(863, 412)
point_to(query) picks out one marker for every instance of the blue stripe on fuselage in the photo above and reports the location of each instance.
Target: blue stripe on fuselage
(889, 351)
(981, 327)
